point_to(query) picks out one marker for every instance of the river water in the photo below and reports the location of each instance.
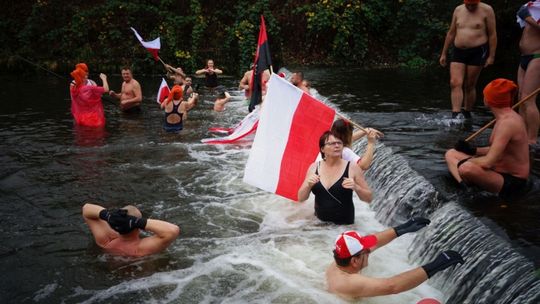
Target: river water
(239, 244)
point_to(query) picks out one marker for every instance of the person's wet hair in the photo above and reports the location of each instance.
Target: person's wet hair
(343, 130)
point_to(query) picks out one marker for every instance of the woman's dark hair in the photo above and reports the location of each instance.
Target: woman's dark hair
(323, 139)
(343, 129)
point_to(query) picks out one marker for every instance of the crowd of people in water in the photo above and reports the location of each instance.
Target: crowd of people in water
(502, 167)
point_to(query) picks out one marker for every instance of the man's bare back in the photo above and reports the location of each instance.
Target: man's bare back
(471, 27)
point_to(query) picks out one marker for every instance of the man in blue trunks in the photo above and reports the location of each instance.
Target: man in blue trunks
(351, 254)
(503, 166)
(474, 36)
(529, 66)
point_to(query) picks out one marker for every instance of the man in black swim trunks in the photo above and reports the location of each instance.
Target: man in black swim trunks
(529, 66)
(474, 36)
(503, 166)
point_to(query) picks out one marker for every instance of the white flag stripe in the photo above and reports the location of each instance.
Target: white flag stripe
(279, 107)
(154, 44)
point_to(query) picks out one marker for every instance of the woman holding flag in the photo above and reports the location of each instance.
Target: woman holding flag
(333, 181)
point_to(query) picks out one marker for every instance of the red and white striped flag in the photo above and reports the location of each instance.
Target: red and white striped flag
(287, 139)
(163, 91)
(240, 132)
(152, 46)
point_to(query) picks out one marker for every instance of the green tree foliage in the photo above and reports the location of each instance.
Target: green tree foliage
(59, 33)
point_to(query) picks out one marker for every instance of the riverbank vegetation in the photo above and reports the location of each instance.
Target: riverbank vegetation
(371, 33)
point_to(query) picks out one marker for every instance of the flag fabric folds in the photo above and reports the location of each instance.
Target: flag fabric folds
(534, 9)
(287, 138)
(152, 46)
(247, 126)
(262, 62)
(163, 91)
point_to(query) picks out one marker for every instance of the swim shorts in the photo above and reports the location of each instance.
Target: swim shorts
(473, 56)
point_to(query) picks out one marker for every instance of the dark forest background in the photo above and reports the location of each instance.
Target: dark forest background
(371, 33)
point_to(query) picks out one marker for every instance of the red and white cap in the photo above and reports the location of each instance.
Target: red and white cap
(350, 243)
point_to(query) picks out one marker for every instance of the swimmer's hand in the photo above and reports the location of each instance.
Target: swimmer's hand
(444, 260)
(442, 60)
(412, 225)
(465, 147)
(312, 180)
(349, 183)
(120, 221)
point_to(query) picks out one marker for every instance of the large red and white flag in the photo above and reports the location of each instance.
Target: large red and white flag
(247, 126)
(152, 46)
(163, 91)
(287, 139)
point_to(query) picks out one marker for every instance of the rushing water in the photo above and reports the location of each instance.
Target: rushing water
(238, 243)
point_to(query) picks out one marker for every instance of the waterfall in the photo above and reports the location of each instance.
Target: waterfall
(493, 271)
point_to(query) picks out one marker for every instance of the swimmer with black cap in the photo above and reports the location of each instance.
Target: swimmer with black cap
(118, 230)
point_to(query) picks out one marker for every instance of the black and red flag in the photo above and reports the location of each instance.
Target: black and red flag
(262, 62)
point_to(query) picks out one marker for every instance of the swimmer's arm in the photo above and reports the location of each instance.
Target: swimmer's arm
(164, 103)
(362, 286)
(105, 82)
(164, 234)
(177, 71)
(450, 35)
(201, 71)
(525, 15)
(244, 83)
(496, 150)
(103, 234)
(362, 188)
(492, 34)
(384, 237)
(218, 71)
(309, 181)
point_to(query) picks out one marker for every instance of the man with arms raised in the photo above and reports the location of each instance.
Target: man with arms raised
(503, 166)
(529, 66)
(117, 230)
(351, 254)
(474, 36)
(131, 95)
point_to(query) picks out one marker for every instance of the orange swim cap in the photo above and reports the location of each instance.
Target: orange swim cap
(176, 93)
(78, 75)
(471, 1)
(82, 66)
(499, 93)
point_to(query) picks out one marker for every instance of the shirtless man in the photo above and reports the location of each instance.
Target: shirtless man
(175, 74)
(529, 66)
(351, 254)
(503, 166)
(246, 81)
(117, 230)
(131, 95)
(297, 79)
(221, 100)
(474, 36)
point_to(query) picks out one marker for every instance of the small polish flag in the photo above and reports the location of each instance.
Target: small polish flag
(163, 91)
(287, 138)
(247, 126)
(152, 46)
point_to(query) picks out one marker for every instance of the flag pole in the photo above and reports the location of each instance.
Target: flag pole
(493, 121)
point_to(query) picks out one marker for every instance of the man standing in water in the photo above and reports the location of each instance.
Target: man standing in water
(529, 66)
(131, 95)
(117, 230)
(503, 166)
(297, 79)
(351, 254)
(474, 36)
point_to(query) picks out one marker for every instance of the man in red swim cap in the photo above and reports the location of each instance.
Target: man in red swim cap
(474, 36)
(503, 166)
